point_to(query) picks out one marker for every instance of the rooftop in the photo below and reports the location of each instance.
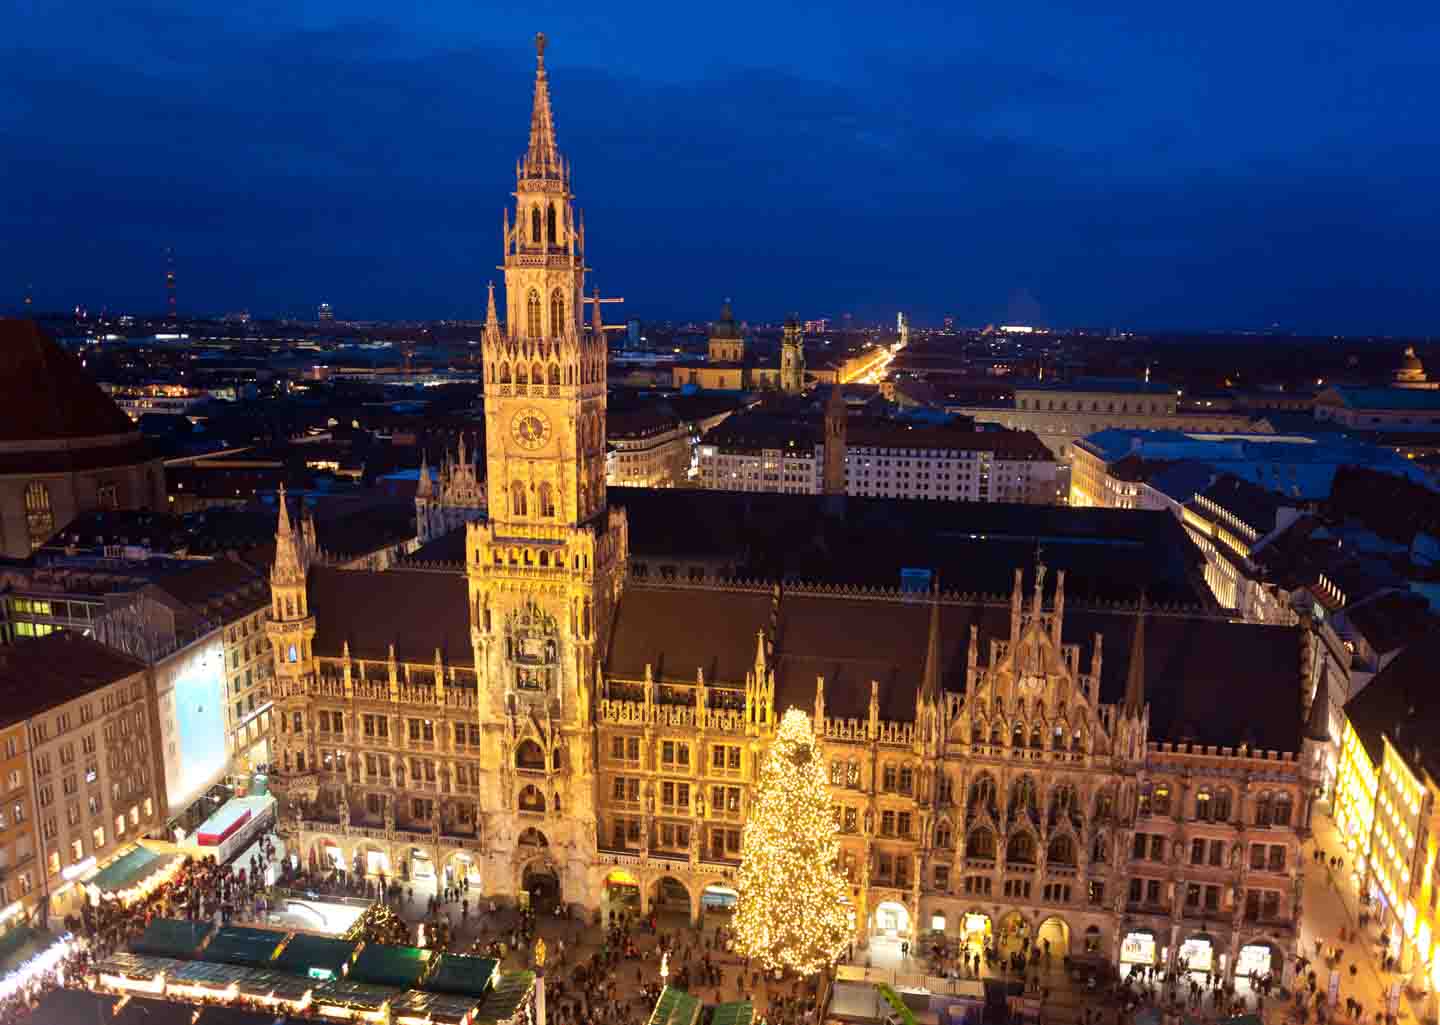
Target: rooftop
(45, 392)
(44, 672)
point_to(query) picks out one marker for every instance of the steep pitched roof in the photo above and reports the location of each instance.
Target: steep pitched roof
(417, 612)
(45, 392)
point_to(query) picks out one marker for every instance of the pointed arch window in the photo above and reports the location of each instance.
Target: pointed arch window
(554, 375)
(517, 499)
(547, 500)
(535, 224)
(39, 516)
(504, 373)
(557, 314)
(550, 224)
(533, 327)
(521, 374)
(537, 374)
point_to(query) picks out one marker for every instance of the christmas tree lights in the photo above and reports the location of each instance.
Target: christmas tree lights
(791, 913)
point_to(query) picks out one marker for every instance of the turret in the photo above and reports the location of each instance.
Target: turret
(931, 701)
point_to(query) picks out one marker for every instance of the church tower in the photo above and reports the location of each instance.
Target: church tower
(545, 568)
(292, 632)
(792, 358)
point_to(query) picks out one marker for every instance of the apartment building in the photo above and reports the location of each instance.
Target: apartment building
(92, 759)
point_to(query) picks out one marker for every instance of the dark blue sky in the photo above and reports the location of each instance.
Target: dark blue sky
(1124, 163)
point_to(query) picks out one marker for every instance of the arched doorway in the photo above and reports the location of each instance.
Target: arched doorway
(1012, 939)
(669, 895)
(419, 865)
(622, 891)
(718, 897)
(328, 855)
(1256, 961)
(892, 920)
(532, 838)
(1053, 939)
(975, 933)
(372, 860)
(1197, 954)
(461, 869)
(1138, 950)
(542, 886)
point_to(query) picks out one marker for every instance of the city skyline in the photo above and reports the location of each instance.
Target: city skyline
(1105, 172)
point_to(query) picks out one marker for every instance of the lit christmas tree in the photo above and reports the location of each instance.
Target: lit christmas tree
(791, 912)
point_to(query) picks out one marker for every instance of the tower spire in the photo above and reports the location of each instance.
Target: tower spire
(1135, 676)
(422, 488)
(930, 685)
(492, 319)
(542, 159)
(283, 528)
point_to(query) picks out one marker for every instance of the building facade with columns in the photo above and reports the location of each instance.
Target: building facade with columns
(1125, 783)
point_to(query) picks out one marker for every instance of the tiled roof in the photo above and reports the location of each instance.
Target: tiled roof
(46, 393)
(1207, 680)
(39, 674)
(417, 612)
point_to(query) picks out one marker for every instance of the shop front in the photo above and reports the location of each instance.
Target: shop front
(1138, 950)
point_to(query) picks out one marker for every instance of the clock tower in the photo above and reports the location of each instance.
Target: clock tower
(545, 569)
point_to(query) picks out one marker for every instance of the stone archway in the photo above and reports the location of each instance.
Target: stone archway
(372, 859)
(462, 869)
(326, 854)
(540, 879)
(1012, 932)
(1257, 958)
(1053, 939)
(669, 895)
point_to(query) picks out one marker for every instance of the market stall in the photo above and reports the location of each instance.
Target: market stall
(341, 998)
(317, 957)
(280, 990)
(397, 967)
(415, 1007)
(136, 973)
(463, 974)
(511, 1000)
(134, 875)
(205, 980)
(172, 937)
(239, 945)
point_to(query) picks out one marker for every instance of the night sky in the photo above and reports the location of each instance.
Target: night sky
(1131, 164)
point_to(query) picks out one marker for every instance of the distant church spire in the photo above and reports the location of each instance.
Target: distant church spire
(423, 488)
(1135, 677)
(492, 319)
(542, 159)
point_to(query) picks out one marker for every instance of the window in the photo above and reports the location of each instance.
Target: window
(39, 517)
(534, 328)
(907, 779)
(902, 824)
(887, 823)
(675, 753)
(890, 778)
(1160, 803)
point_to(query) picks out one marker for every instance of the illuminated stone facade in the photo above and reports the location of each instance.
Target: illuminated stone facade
(539, 721)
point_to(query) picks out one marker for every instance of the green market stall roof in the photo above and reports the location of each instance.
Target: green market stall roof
(463, 974)
(353, 996)
(441, 1008)
(511, 991)
(134, 866)
(737, 1012)
(172, 937)
(266, 984)
(239, 945)
(398, 967)
(675, 1007)
(321, 953)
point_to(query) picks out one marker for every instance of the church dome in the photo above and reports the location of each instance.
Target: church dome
(727, 326)
(1410, 370)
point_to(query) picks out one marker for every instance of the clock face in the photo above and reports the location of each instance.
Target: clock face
(530, 428)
